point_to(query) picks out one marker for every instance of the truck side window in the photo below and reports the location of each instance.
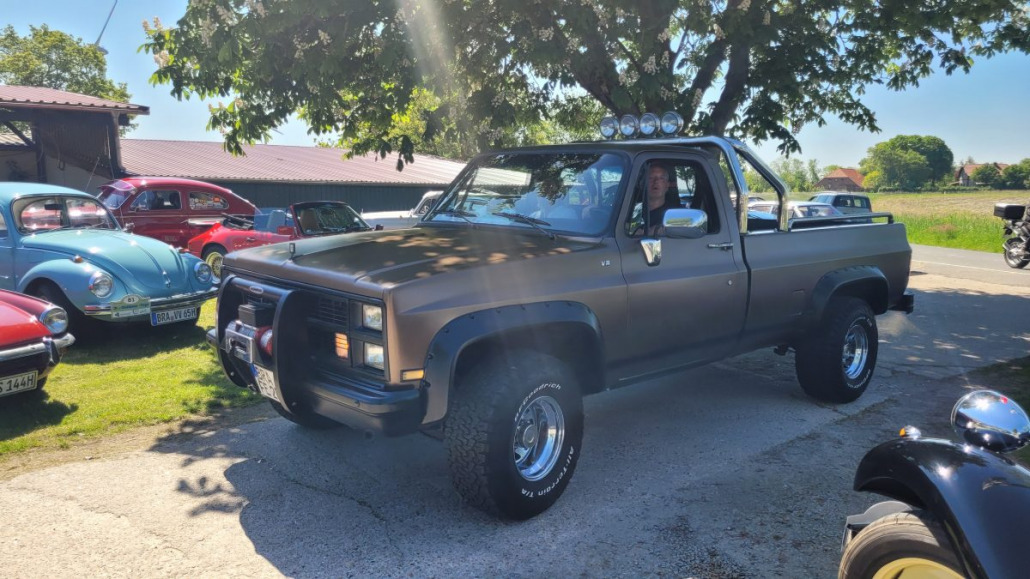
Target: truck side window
(670, 184)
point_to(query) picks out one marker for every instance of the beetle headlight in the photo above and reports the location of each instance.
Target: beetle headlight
(203, 272)
(374, 356)
(55, 319)
(101, 284)
(372, 317)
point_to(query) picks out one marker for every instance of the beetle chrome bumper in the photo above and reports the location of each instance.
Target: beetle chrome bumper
(103, 311)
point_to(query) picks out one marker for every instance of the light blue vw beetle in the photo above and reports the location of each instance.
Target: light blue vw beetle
(64, 246)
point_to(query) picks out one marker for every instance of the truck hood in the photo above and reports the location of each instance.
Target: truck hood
(381, 259)
(18, 326)
(140, 262)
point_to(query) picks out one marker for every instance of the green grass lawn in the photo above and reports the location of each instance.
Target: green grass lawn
(956, 220)
(128, 377)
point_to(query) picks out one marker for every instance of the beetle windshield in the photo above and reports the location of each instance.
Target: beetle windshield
(564, 192)
(327, 218)
(47, 213)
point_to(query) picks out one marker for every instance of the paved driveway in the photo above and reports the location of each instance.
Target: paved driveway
(724, 471)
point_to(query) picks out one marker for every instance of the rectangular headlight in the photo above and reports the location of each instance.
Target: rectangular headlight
(372, 317)
(374, 356)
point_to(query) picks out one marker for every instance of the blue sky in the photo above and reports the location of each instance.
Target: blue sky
(983, 114)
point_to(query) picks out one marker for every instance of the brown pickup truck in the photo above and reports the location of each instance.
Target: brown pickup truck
(544, 274)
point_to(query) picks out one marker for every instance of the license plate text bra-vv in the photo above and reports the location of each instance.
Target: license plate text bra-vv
(172, 316)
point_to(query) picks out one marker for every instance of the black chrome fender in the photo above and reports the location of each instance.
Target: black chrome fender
(982, 498)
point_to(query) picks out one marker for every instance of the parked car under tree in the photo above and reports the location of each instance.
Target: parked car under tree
(65, 247)
(33, 338)
(170, 209)
(298, 221)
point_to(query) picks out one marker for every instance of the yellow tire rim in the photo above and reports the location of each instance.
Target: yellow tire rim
(915, 568)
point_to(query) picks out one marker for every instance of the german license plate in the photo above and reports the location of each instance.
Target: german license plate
(265, 382)
(17, 383)
(172, 316)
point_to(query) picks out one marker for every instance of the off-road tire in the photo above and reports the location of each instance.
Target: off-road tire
(825, 368)
(906, 541)
(304, 417)
(1012, 261)
(484, 421)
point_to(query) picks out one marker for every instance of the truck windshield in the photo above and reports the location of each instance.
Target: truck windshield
(570, 193)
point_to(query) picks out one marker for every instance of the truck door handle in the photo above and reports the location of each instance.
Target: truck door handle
(723, 246)
(249, 239)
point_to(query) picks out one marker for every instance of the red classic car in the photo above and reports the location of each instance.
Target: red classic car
(172, 210)
(33, 337)
(308, 219)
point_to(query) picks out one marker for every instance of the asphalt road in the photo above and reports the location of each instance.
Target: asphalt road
(724, 471)
(964, 264)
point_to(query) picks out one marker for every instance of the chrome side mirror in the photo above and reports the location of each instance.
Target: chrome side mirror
(991, 420)
(685, 223)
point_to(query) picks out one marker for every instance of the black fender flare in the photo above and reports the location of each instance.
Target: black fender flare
(507, 326)
(862, 281)
(981, 498)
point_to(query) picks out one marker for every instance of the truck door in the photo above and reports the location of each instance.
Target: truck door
(691, 306)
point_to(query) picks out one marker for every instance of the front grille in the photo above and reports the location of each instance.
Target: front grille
(332, 311)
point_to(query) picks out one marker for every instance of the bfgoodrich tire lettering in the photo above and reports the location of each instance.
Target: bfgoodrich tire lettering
(513, 434)
(902, 544)
(835, 362)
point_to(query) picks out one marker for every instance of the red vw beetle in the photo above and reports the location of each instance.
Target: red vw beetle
(308, 219)
(169, 209)
(33, 337)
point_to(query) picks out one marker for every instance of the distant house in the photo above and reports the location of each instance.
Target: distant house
(964, 175)
(849, 180)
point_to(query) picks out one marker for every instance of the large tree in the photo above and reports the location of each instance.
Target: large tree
(891, 165)
(938, 156)
(760, 69)
(54, 59)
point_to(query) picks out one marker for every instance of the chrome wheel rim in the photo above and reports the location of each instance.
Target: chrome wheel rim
(856, 351)
(915, 568)
(538, 437)
(214, 259)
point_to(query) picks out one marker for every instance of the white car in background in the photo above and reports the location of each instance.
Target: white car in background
(403, 219)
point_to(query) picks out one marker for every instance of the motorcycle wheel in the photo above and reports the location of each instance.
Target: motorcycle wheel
(1014, 254)
(909, 544)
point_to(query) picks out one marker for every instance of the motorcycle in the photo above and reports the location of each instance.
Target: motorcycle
(1017, 231)
(959, 509)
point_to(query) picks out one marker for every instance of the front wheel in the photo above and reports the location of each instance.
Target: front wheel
(1015, 255)
(835, 362)
(909, 544)
(513, 434)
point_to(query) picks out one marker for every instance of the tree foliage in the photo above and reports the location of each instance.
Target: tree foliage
(938, 156)
(1016, 176)
(758, 69)
(988, 174)
(890, 165)
(54, 59)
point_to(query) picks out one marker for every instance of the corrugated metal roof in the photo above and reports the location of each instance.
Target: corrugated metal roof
(12, 96)
(208, 161)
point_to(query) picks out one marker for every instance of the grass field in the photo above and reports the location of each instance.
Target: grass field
(957, 220)
(131, 377)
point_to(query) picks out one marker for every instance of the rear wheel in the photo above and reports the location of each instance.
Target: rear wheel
(899, 546)
(513, 434)
(213, 255)
(835, 362)
(1014, 254)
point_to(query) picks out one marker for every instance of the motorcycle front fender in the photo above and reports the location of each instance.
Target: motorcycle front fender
(982, 498)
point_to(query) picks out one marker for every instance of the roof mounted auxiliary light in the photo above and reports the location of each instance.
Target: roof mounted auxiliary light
(647, 125)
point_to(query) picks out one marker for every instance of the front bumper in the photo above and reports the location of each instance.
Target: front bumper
(360, 404)
(40, 356)
(195, 299)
